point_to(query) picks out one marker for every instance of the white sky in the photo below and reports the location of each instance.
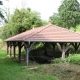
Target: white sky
(45, 7)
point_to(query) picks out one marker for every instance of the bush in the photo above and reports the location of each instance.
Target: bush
(59, 60)
(75, 59)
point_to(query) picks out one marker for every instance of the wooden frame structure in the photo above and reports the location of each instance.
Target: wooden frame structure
(63, 47)
(52, 34)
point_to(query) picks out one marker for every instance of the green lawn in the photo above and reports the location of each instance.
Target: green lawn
(11, 70)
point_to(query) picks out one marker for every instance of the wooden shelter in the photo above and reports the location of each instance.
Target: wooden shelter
(47, 34)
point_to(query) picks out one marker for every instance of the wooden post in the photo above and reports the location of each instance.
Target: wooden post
(19, 54)
(14, 47)
(27, 53)
(63, 51)
(10, 49)
(14, 51)
(63, 48)
(19, 48)
(29, 47)
(27, 56)
(7, 48)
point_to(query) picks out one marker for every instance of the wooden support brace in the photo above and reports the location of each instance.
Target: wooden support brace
(76, 46)
(63, 47)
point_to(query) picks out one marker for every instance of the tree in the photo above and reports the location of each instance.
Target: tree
(69, 14)
(2, 13)
(21, 21)
(55, 18)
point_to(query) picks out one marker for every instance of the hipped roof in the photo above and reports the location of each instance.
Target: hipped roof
(48, 33)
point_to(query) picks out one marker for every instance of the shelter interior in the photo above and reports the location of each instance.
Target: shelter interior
(40, 51)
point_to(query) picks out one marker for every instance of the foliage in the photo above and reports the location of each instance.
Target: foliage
(59, 60)
(21, 21)
(77, 28)
(39, 45)
(75, 59)
(44, 22)
(2, 13)
(68, 14)
(16, 71)
(55, 18)
(1, 32)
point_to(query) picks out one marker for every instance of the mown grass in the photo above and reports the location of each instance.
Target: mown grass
(11, 70)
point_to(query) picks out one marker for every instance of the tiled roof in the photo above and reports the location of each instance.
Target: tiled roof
(49, 33)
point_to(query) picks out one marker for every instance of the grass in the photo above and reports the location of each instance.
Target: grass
(11, 70)
(64, 69)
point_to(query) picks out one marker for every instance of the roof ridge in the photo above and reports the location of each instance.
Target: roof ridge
(38, 31)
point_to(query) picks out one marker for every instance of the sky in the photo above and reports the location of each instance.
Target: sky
(45, 7)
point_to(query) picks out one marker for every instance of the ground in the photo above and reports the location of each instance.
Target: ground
(63, 71)
(11, 70)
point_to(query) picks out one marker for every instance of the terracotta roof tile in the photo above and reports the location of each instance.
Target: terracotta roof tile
(49, 33)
